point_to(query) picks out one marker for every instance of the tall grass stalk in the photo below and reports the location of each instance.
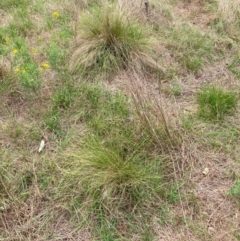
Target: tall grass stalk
(152, 115)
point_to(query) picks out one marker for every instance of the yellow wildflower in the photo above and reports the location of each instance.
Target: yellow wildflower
(20, 70)
(55, 14)
(15, 51)
(45, 65)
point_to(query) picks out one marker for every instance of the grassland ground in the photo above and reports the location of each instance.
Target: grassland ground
(138, 114)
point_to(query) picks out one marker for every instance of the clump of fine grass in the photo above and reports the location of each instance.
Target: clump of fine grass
(110, 40)
(102, 175)
(215, 103)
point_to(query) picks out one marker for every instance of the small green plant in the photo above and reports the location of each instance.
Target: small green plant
(215, 103)
(109, 40)
(234, 66)
(176, 90)
(63, 97)
(52, 121)
(173, 194)
(55, 55)
(235, 190)
(29, 76)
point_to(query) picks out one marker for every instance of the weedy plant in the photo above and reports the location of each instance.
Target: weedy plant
(63, 97)
(235, 190)
(110, 40)
(56, 56)
(234, 66)
(215, 103)
(52, 121)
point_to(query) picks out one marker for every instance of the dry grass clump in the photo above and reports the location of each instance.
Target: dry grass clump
(110, 40)
(229, 10)
(153, 113)
(2, 72)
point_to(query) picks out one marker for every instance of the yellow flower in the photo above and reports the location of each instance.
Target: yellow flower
(45, 65)
(55, 14)
(20, 70)
(15, 51)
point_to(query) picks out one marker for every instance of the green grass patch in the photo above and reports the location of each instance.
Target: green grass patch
(235, 190)
(6, 4)
(215, 103)
(191, 48)
(234, 66)
(23, 23)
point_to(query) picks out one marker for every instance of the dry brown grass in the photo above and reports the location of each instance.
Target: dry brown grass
(229, 10)
(203, 210)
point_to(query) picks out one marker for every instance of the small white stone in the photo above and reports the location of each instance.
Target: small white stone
(42, 144)
(211, 230)
(205, 171)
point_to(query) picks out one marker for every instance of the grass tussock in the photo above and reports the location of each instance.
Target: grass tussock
(102, 175)
(109, 40)
(215, 102)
